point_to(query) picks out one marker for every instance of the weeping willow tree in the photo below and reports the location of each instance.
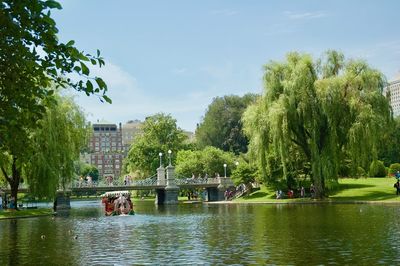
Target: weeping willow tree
(44, 156)
(327, 111)
(62, 133)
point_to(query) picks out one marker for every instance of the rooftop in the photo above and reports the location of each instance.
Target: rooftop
(396, 78)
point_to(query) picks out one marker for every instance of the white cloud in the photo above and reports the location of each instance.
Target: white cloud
(278, 28)
(224, 12)
(220, 72)
(115, 76)
(178, 71)
(304, 15)
(130, 101)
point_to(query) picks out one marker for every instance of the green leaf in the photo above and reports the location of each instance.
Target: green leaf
(98, 52)
(105, 97)
(89, 86)
(53, 4)
(82, 57)
(70, 43)
(93, 61)
(85, 69)
(101, 62)
(101, 83)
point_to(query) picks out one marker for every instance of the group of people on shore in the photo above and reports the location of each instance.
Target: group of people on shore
(290, 193)
(7, 203)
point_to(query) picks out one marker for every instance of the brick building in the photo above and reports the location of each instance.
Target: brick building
(106, 149)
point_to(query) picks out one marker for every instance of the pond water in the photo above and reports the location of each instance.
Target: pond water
(210, 234)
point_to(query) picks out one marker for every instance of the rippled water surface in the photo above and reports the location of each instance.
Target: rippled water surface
(211, 234)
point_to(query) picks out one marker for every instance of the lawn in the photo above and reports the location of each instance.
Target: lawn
(366, 189)
(349, 190)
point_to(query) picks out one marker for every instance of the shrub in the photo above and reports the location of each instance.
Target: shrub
(394, 168)
(360, 172)
(345, 170)
(377, 169)
(244, 173)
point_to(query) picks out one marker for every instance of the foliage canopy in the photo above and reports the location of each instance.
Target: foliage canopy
(325, 111)
(209, 161)
(33, 64)
(159, 134)
(221, 126)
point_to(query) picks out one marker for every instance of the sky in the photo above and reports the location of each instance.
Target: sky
(176, 56)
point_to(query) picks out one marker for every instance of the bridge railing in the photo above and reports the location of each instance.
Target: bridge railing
(151, 181)
(196, 181)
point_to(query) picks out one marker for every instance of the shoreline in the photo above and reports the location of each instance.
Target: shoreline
(26, 216)
(310, 202)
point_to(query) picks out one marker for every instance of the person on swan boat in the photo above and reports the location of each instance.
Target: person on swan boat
(118, 203)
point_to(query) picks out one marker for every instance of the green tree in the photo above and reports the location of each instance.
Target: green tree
(91, 170)
(221, 126)
(389, 148)
(47, 160)
(208, 161)
(244, 173)
(159, 134)
(328, 111)
(32, 61)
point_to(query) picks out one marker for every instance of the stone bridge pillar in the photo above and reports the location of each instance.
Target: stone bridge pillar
(161, 176)
(62, 200)
(171, 190)
(169, 194)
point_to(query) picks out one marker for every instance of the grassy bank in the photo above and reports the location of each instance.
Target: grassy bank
(8, 214)
(349, 190)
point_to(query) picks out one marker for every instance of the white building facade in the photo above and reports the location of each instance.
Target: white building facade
(392, 91)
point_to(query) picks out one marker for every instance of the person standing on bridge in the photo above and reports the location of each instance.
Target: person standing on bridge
(89, 180)
(1, 202)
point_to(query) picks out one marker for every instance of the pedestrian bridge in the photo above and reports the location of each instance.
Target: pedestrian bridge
(164, 183)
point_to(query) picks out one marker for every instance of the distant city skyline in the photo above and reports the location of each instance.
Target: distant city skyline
(176, 56)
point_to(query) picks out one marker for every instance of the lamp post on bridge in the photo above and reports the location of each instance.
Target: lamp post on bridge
(161, 172)
(160, 154)
(169, 155)
(225, 170)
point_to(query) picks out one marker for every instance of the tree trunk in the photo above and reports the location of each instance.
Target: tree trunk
(14, 182)
(318, 178)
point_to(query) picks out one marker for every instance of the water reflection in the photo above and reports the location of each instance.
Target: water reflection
(206, 234)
